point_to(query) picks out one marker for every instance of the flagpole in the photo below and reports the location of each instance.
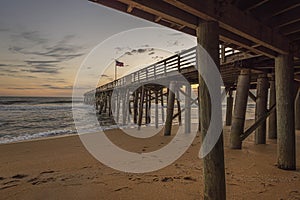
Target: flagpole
(115, 71)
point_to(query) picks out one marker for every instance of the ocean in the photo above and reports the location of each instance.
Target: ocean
(26, 118)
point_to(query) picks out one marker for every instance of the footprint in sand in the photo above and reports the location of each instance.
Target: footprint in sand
(19, 176)
(12, 183)
(167, 179)
(9, 184)
(294, 194)
(42, 178)
(189, 178)
(122, 188)
(47, 172)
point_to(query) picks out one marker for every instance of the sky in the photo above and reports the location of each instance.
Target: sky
(44, 44)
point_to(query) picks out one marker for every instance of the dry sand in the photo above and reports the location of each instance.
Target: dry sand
(61, 168)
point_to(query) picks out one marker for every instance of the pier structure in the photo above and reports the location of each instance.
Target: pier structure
(264, 40)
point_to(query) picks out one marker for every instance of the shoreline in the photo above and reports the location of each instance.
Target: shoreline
(61, 168)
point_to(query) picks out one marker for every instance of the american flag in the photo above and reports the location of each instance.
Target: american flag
(119, 64)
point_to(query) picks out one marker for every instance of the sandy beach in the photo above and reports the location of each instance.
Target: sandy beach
(61, 168)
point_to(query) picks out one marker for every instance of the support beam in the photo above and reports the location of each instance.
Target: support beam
(118, 106)
(199, 109)
(135, 106)
(252, 96)
(147, 106)
(109, 104)
(213, 162)
(257, 123)
(233, 19)
(178, 106)
(297, 110)
(241, 100)
(142, 95)
(261, 107)
(124, 106)
(184, 15)
(272, 118)
(187, 103)
(284, 75)
(170, 108)
(229, 106)
(156, 109)
(162, 105)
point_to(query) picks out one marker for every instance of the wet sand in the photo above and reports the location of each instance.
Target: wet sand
(61, 168)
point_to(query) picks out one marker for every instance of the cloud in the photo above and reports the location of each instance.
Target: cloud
(34, 36)
(46, 55)
(139, 51)
(42, 70)
(56, 80)
(34, 62)
(69, 87)
(42, 87)
(60, 52)
(21, 88)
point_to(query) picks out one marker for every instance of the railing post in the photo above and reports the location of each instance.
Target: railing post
(178, 62)
(165, 68)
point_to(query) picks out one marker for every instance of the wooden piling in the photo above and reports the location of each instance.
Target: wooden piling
(178, 107)
(170, 108)
(272, 118)
(117, 106)
(213, 163)
(109, 104)
(156, 109)
(241, 100)
(297, 110)
(124, 107)
(141, 107)
(261, 107)
(199, 109)
(187, 103)
(229, 106)
(162, 105)
(149, 107)
(146, 106)
(135, 106)
(284, 82)
(105, 103)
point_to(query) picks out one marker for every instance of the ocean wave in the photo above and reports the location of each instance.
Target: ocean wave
(10, 138)
(38, 100)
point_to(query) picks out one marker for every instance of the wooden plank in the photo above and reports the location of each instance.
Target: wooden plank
(274, 7)
(285, 18)
(159, 9)
(291, 28)
(236, 21)
(257, 124)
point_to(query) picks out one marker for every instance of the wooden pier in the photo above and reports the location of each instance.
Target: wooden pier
(255, 44)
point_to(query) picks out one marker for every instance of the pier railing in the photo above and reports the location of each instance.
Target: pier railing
(163, 68)
(157, 70)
